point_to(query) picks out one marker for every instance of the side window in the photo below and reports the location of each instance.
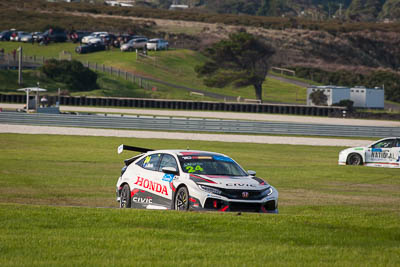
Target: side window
(398, 143)
(168, 161)
(150, 162)
(385, 144)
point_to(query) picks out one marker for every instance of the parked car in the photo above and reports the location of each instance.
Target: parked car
(89, 48)
(136, 43)
(77, 36)
(17, 36)
(5, 35)
(26, 38)
(122, 39)
(157, 44)
(36, 36)
(191, 180)
(53, 35)
(96, 37)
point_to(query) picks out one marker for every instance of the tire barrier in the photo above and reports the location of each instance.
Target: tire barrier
(184, 105)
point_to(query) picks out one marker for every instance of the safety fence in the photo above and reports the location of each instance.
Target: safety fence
(196, 125)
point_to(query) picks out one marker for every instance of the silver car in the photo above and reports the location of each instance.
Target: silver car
(17, 36)
(157, 44)
(136, 43)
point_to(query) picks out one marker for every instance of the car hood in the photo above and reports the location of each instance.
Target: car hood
(230, 182)
(351, 149)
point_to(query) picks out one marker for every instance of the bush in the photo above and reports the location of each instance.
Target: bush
(345, 103)
(319, 98)
(72, 73)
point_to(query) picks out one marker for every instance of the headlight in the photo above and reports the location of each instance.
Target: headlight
(210, 189)
(268, 192)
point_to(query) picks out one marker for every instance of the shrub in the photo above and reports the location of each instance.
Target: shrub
(319, 98)
(345, 103)
(72, 73)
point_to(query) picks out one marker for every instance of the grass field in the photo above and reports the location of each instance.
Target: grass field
(174, 66)
(329, 214)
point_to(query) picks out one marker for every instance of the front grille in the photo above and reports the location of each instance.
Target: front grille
(237, 194)
(216, 204)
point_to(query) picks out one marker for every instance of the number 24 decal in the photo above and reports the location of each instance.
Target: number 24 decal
(190, 169)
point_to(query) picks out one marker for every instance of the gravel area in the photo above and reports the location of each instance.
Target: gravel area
(29, 129)
(225, 115)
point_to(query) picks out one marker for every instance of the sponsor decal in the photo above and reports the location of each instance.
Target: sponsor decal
(168, 177)
(359, 149)
(152, 186)
(222, 158)
(147, 200)
(382, 155)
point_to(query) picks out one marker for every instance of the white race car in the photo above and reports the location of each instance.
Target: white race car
(189, 179)
(382, 153)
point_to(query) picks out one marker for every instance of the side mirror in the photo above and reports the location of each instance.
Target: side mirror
(251, 173)
(170, 170)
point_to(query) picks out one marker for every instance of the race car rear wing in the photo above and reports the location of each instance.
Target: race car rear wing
(123, 147)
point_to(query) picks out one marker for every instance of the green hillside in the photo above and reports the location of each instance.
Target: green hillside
(173, 66)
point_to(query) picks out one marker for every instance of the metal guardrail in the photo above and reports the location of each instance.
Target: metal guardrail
(195, 125)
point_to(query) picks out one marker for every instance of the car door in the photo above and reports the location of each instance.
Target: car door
(151, 189)
(384, 152)
(396, 152)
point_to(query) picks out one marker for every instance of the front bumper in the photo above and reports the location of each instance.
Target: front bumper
(270, 206)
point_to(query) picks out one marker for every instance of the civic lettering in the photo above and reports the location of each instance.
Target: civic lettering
(240, 185)
(142, 200)
(152, 186)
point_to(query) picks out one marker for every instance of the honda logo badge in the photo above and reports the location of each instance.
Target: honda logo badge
(245, 194)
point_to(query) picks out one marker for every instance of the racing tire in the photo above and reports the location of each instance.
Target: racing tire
(181, 201)
(125, 200)
(354, 159)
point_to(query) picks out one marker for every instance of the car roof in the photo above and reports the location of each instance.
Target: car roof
(185, 152)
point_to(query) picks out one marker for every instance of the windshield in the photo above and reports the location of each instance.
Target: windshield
(210, 165)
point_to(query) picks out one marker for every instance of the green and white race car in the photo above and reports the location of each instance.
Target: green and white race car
(382, 153)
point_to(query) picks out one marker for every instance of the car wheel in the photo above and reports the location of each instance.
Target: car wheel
(182, 199)
(354, 159)
(125, 200)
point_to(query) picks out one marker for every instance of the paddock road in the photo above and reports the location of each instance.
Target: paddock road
(224, 115)
(29, 129)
